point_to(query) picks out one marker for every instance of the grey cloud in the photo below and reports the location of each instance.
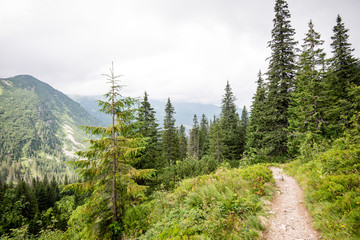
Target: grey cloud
(179, 49)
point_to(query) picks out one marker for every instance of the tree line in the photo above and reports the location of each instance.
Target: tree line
(28, 208)
(221, 138)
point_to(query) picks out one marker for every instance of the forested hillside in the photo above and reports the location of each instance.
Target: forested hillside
(137, 180)
(39, 129)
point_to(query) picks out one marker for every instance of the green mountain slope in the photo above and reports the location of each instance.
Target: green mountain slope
(38, 129)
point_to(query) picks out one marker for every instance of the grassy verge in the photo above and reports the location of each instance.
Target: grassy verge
(223, 205)
(331, 180)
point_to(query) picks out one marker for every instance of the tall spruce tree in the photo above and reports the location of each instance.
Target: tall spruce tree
(342, 80)
(306, 110)
(354, 91)
(203, 136)
(182, 142)
(256, 128)
(170, 141)
(26, 195)
(106, 168)
(244, 122)
(281, 74)
(229, 123)
(149, 128)
(216, 141)
(194, 147)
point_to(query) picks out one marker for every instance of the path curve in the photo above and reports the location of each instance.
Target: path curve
(289, 218)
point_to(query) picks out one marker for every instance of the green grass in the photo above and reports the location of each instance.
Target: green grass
(223, 205)
(331, 180)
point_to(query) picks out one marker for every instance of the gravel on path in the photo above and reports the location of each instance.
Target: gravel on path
(289, 218)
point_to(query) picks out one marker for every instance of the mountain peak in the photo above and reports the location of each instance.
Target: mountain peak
(39, 128)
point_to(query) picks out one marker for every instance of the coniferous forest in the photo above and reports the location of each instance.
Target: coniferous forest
(145, 178)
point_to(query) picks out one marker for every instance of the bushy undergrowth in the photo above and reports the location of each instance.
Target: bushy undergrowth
(223, 205)
(187, 168)
(331, 180)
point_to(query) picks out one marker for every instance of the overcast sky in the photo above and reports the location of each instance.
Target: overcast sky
(185, 49)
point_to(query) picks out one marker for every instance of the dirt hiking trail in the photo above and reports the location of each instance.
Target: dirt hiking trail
(289, 218)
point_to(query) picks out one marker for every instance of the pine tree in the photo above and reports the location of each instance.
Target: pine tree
(149, 128)
(343, 61)
(216, 141)
(194, 148)
(307, 101)
(256, 128)
(203, 136)
(354, 91)
(53, 192)
(229, 123)
(342, 80)
(281, 74)
(244, 122)
(182, 142)
(25, 194)
(170, 141)
(41, 193)
(106, 168)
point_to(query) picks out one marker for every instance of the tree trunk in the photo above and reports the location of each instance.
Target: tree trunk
(113, 193)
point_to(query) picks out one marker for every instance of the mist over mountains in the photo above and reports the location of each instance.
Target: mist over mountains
(184, 111)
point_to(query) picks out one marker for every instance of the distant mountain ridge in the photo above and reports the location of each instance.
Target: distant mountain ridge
(184, 111)
(39, 129)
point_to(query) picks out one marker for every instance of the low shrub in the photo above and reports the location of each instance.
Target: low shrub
(187, 168)
(223, 205)
(331, 180)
